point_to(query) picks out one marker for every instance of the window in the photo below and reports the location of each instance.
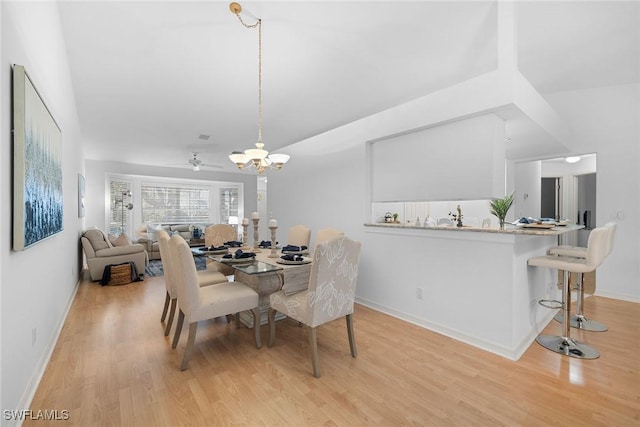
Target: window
(228, 205)
(174, 203)
(155, 200)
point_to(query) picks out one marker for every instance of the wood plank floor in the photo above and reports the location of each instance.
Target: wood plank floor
(112, 366)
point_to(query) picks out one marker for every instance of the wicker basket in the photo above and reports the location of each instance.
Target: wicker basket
(120, 274)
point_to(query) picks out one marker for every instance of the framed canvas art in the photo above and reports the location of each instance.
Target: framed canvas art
(37, 165)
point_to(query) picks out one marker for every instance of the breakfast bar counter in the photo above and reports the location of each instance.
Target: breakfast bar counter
(469, 283)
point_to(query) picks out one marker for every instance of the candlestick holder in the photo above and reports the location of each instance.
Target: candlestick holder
(274, 250)
(255, 235)
(245, 233)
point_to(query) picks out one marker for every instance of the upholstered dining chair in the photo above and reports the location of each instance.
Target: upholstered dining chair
(202, 303)
(330, 295)
(205, 278)
(299, 235)
(328, 233)
(217, 235)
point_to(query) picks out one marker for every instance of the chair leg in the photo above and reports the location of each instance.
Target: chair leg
(176, 336)
(167, 298)
(352, 339)
(272, 326)
(313, 344)
(578, 320)
(256, 326)
(564, 344)
(172, 313)
(193, 328)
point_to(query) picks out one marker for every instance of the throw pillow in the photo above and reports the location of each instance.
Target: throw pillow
(121, 240)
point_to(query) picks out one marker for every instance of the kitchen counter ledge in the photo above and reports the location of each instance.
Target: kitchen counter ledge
(509, 229)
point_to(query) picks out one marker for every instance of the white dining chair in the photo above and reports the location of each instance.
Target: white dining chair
(328, 233)
(217, 235)
(205, 278)
(299, 235)
(201, 303)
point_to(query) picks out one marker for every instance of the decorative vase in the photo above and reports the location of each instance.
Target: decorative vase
(501, 223)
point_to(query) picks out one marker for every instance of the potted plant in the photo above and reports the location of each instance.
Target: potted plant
(500, 207)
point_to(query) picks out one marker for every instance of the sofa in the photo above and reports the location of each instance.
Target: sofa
(146, 235)
(101, 251)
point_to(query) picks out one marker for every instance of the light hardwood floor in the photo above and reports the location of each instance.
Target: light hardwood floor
(113, 366)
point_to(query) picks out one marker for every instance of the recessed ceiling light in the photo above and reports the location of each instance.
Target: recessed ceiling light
(572, 159)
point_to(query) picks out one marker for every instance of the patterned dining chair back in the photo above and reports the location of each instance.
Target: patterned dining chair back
(332, 283)
(218, 234)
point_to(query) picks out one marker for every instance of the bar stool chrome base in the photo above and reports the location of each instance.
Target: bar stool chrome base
(567, 346)
(581, 322)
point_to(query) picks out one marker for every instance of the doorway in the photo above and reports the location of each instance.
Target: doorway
(551, 198)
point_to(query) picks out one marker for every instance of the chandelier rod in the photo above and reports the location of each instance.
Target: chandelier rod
(237, 9)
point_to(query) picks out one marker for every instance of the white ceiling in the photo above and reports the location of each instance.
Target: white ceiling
(150, 77)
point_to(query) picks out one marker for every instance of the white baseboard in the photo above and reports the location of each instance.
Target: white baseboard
(36, 376)
(615, 295)
(508, 353)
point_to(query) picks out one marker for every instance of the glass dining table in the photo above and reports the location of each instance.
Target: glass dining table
(265, 276)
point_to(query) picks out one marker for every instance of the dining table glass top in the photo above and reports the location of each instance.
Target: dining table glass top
(250, 267)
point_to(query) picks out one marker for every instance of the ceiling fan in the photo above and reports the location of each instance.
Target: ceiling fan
(196, 163)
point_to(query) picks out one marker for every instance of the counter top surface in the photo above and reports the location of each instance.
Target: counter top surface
(509, 229)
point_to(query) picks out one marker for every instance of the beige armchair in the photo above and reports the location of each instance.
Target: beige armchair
(100, 252)
(330, 295)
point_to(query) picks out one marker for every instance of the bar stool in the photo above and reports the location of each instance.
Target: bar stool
(596, 248)
(578, 320)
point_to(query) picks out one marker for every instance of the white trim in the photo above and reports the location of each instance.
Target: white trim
(41, 366)
(513, 354)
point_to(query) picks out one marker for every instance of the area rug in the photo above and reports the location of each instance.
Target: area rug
(154, 268)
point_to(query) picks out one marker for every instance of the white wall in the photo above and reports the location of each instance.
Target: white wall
(606, 122)
(469, 147)
(37, 284)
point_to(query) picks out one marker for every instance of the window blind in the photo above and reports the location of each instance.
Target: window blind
(172, 203)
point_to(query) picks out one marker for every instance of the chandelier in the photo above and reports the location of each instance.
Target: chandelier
(256, 157)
